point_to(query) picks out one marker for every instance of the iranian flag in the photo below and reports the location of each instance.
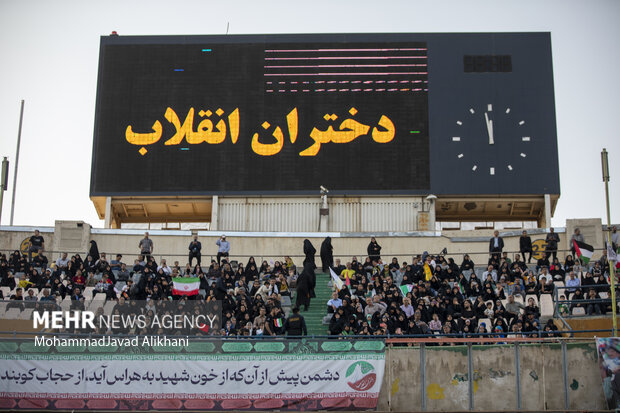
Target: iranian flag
(185, 286)
(406, 288)
(583, 251)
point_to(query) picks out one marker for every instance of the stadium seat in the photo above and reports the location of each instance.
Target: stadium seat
(603, 295)
(527, 298)
(12, 313)
(3, 305)
(558, 284)
(487, 322)
(88, 292)
(92, 305)
(26, 314)
(99, 297)
(579, 311)
(286, 301)
(108, 306)
(546, 305)
(6, 292)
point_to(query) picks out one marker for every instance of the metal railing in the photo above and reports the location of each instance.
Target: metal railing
(488, 338)
(480, 256)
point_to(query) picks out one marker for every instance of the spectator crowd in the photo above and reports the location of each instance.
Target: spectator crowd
(433, 294)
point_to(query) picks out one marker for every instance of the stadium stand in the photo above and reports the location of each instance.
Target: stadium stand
(373, 297)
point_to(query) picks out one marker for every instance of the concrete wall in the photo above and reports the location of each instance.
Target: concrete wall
(446, 378)
(173, 245)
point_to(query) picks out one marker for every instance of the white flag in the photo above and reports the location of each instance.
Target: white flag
(611, 254)
(338, 283)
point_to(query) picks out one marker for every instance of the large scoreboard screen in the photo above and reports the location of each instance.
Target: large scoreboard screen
(285, 114)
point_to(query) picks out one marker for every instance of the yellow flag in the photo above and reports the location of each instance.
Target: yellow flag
(427, 272)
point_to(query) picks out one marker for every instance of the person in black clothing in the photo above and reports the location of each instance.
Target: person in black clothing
(304, 287)
(295, 325)
(194, 250)
(309, 251)
(552, 240)
(336, 324)
(40, 261)
(543, 261)
(93, 251)
(467, 263)
(327, 257)
(220, 288)
(525, 246)
(17, 300)
(37, 243)
(374, 250)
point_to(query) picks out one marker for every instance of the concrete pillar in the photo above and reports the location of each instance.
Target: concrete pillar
(324, 215)
(71, 237)
(108, 213)
(431, 212)
(547, 223)
(214, 213)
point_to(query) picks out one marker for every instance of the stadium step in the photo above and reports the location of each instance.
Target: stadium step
(317, 310)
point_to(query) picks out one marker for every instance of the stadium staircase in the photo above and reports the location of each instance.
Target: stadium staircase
(318, 305)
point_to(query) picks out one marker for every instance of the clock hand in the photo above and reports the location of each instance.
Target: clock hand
(489, 128)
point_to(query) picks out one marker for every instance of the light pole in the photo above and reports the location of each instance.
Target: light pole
(4, 182)
(612, 269)
(19, 140)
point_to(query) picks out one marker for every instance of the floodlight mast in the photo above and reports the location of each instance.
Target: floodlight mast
(612, 268)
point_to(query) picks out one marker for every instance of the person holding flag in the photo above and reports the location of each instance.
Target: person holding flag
(406, 289)
(187, 286)
(428, 274)
(274, 324)
(577, 236)
(583, 251)
(346, 274)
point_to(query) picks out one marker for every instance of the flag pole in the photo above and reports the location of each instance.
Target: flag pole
(612, 269)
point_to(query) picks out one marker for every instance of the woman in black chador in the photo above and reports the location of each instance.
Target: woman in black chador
(305, 287)
(309, 250)
(327, 256)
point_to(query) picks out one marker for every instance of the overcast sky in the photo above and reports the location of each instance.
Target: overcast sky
(49, 56)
